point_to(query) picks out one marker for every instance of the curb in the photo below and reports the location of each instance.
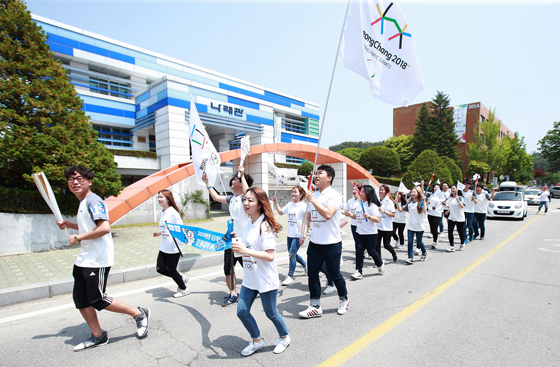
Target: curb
(30, 292)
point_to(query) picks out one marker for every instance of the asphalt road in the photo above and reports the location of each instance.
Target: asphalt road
(495, 304)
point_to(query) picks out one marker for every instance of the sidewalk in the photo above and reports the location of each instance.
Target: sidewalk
(45, 274)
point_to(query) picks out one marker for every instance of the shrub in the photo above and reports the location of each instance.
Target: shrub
(423, 166)
(196, 197)
(20, 201)
(134, 153)
(352, 153)
(456, 173)
(380, 160)
(305, 169)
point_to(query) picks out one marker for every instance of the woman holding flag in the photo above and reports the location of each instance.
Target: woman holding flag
(367, 215)
(416, 209)
(169, 249)
(399, 222)
(258, 247)
(385, 225)
(456, 206)
(435, 210)
(296, 212)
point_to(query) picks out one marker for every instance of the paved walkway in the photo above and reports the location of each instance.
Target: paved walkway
(133, 247)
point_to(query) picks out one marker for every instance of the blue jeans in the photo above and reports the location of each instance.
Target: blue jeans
(293, 247)
(469, 217)
(330, 255)
(441, 224)
(268, 299)
(419, 242)
(478, 222)
(541, 204)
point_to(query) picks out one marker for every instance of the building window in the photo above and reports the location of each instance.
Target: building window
(293, 160)
(153, 143)
(109, 87)
(113, 137)
(293, 125)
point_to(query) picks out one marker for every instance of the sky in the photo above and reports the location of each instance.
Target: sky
(504, 54)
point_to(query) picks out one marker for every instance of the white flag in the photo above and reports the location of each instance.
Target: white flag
(460, 186)
(377, 44)
(403, 189)
(204, 156)
(438, 183)
(438, 195)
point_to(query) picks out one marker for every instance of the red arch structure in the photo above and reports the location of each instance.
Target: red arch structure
(140, 191)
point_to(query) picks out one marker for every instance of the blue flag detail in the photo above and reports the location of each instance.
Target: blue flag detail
(202, 239)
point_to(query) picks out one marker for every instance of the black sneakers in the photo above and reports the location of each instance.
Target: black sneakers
(93, 342)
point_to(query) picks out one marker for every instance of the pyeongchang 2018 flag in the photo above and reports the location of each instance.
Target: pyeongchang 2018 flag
(377, 44)
(204, 156)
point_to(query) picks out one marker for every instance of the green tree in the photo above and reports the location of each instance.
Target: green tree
(435, 128)
(456, 173)
(549, 145)
(352, 153)
(382, 161)
(42, 125)
(477, 167)
(422, 168)
(354, 144)
(305, 169)
(518, 163)
(404, 146)
(488, 147)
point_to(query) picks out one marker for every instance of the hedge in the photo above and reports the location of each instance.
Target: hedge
(388, 181)
(286, 165)
(134, 153)
(19, 201)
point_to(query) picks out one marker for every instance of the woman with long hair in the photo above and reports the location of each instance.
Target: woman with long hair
(416, 218)
(435, 210)
(367, 231)
(456, 206)
(258, 247)
(385, 225)
(399, 222)
(296, 211)
(169, 249)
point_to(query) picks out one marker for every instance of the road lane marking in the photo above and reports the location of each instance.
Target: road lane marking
(359, 345)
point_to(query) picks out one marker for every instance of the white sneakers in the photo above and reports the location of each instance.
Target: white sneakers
(451, 249)
(356, 275)
(434, 245)
(311, 312)
(381, 269)
(252, 347)
(289, 280)
(462, 248)
(282, 344)
(181, 292)
(343, 306)
(417, 251)
(329, 289)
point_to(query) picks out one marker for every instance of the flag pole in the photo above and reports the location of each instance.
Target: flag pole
(329, 92)
(325, 114)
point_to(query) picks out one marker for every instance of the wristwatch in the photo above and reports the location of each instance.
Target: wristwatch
(76, 239)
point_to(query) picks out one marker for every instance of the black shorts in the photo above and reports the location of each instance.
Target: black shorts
(227, 261)
(89, 287)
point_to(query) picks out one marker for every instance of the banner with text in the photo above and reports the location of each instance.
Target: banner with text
(460, 119)
(200, 238)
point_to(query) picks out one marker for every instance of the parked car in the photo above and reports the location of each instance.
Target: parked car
(508, 204)
(555, 191)
(532, 195)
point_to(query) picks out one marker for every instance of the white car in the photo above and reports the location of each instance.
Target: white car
(532, 196)
(508, 204)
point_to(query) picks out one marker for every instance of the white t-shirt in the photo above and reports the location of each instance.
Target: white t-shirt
(544, 196)
(295, 213)
(481, 202)
(167, 244)
(369, 226)
(99, 252)
(469, 202)
(416, 221)
(351, 206)
(456, 213)
(238, 215)
(400, 217)
(326, 232)
(386, 223)
(435, 206)
(259, 275)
